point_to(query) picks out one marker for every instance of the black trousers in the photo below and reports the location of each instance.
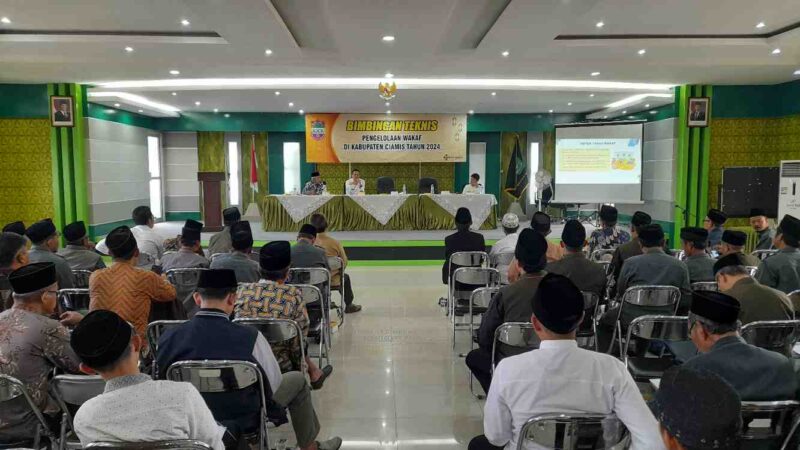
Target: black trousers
(348, 290)
(479, 362)
(481, 443)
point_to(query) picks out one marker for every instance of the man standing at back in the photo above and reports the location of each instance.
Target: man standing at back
(630, 248)
(760, 224)
(221, 242)
(511, 304)
(587, 275)
(238, 259)
(78, 253)
(561, 377)
(609, 235)
(44, 237)
(782, 270)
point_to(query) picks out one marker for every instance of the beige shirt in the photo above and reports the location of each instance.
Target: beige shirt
(332, 247)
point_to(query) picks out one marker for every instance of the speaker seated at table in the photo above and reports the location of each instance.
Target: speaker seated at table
(385, 185)
(425, 185)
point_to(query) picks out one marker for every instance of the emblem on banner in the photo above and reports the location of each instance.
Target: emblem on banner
(318, 130)
(387, 91)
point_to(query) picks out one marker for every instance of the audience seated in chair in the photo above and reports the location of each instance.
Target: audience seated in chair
(540, 222)
(238, 259)
(31, 345)
(124, 288)
(697, 410)
(757, 374)
(210, 335)
(699, 263)
(757, 302)
(79, 252)
(221, 242)
(733, 242)
(13, 255)
(589, 276)
(511, 304)
(463, 240)
(133, 407)
(187, 257)
(305, 253)
(148, 241)
(507, 244)
(629, 249)
(333, 247)
(273, 298)
(782, 270)
(653, 268)
(609, 235)
(44, 240)
(713, 222)
(560, 377)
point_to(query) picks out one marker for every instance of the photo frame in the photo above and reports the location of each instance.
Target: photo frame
(62, 111)
(697, 113)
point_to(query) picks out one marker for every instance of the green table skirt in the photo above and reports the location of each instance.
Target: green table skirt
(344, 214)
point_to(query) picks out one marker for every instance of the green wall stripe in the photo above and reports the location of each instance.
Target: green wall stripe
(681, 161)
(182, 216)
(55, 161)
(81, 181)
(705, 148)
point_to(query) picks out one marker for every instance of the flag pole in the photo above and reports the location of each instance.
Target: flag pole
(252, 187)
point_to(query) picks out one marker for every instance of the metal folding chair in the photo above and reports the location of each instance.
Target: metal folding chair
(479, 303)
(72, 391)
(764, 254)
(519, 335)
(335, 263)
(573, 431)
(279, 331)
(751, 270)
(653, 328)
(182, 444)
(13, 394)
(216, 377)
(776, 335)
(73, 300)
(792, 441)
(185, 282)
(458, 260)
(656, 298)
(602, 255)
(315, 276)
(312, 295)
(587, 330)
(501, 262)
(80, 278)
(768, 424)
(705, 286)
(153, 333)
(461, 305)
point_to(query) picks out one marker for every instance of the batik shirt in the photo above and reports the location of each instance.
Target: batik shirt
(30, 346)
(312, 188)
(268, 299)
(607, 238)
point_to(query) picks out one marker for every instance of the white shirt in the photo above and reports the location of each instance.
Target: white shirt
(559, 377)
(135, 408)
(147, 240)
(354, 188)
(505, 245)
(470, 189)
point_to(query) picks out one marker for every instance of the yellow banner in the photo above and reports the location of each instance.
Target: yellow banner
(367, 138)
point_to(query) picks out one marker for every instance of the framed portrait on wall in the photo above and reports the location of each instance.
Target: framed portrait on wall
(62, 111)
(697, 115)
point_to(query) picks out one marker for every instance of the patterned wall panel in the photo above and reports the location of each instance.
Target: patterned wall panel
(26, 184)
(403, 173)
(211, 151)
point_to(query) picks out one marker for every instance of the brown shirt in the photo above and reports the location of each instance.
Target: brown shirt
(332, 247)
(554, 252)
(759, 302)
(128, 291)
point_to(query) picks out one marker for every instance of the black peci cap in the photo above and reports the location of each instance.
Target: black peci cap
(75, 231)
(217, 279)
(101, 338)
(276, 255)
(717, 216)
(735, 238)
(32, 277)
(15, 227)
(41, 230)
(574, 234)
(558, 304)
(463, 216)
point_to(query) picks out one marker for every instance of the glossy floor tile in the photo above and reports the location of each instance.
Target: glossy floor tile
(397, 381)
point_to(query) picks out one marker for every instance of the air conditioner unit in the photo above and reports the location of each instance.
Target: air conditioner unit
(789, 189)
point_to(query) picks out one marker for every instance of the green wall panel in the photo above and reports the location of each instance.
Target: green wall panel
(102, 112)
(211, 151)
(24, 101)
(275, 143)
(236, 122)
(757, 101)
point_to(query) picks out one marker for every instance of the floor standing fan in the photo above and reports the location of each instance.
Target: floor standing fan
(541, 180)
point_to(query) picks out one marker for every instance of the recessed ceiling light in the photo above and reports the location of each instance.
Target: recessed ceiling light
(174, 94)
(630, 117)
(291, 104)
(268, 51)
(388, 111)
(760, 25)
(777, 51)
(550, 110)
(301, 112)
(389, 75)
(174, 72)
(227, 115)
(116, 105)
(505, 53)
(605, 117)
(647, 105)
(111, 111)
(494, 94)
(642, 51)
(196, 103)
(471, 111)
(185, 22)
(569, 103)
(128, 49)
(591, 95)
(797, 72)
(5, 20)
(653, 111)
(388, 104)
(594, 74)
(388, 38)
(599, 24)
(216, 110)
(277, 92)
(141, 110)
(624, 112)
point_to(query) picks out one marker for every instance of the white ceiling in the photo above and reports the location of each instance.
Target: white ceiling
(434, 39)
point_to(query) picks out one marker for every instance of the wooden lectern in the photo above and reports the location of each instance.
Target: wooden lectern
(211, 184)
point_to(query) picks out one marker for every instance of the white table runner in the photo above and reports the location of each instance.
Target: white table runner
(479, 205)
(381, 207)
(300, 206)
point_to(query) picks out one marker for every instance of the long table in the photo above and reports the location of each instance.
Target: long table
(377, 212)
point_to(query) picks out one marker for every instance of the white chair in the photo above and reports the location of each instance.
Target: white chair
(72, 391)
(14, 395)
(572, 431)
(657, 300)
(183, 444)
(279, 331)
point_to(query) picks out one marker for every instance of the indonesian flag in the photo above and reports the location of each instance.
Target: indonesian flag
(253, 166)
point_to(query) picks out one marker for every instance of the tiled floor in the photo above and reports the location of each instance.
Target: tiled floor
(397, 382)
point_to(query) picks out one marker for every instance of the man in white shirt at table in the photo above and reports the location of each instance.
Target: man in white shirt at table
(355, 185)
(473, 187)
(559, 377)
